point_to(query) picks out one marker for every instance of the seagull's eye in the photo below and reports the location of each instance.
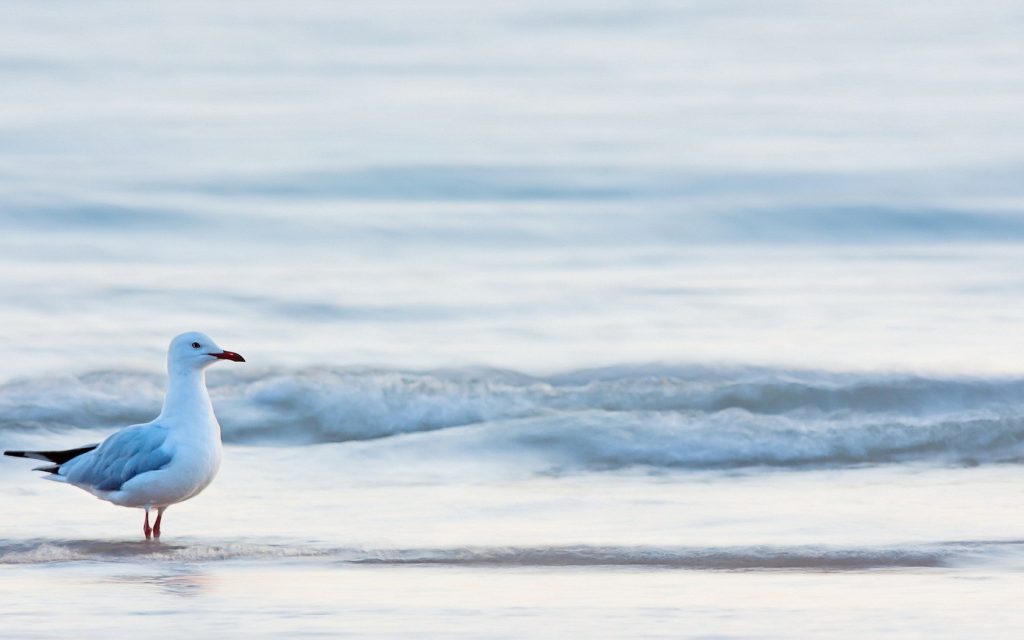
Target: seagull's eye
(195, 345)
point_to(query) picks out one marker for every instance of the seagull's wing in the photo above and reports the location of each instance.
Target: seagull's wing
(124, 455)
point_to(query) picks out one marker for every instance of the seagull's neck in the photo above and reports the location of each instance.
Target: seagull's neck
(187, 402)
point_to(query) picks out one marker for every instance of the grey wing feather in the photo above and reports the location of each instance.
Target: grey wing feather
(124, 455)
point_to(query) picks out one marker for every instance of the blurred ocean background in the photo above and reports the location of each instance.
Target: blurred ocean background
(562, 319)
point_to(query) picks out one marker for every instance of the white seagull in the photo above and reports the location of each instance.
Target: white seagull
(160, 463)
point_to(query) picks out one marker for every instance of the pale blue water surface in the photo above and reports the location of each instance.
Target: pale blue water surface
(562, 319)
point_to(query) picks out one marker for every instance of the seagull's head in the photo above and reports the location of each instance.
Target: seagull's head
(196, 351)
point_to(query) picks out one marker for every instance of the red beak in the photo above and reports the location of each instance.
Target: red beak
(227, 355)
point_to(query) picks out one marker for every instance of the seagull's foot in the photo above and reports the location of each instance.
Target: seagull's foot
(148, 530)
(156, 525)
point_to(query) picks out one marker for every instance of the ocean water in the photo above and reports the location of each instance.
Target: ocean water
(562, 319)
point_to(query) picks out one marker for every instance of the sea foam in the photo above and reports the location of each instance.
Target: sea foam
(715, 558)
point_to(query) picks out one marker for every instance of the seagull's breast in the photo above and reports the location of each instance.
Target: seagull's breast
(198, 461)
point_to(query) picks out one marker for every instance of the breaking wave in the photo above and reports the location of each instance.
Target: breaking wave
(675, 417)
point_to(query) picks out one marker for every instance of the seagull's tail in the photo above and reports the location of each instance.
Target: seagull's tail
(56, 457)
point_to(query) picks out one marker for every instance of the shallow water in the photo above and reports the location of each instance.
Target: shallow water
(562, 319)
(310, 599)
(888, 552)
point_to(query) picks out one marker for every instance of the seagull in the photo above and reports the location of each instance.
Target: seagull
(159, 463)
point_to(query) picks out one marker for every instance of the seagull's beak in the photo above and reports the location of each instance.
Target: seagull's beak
(227, 355)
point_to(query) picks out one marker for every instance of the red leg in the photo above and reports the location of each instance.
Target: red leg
(146, 529)
(156, 525)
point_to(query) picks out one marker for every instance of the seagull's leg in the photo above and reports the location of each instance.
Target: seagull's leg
(156, 525)
(146, 529)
